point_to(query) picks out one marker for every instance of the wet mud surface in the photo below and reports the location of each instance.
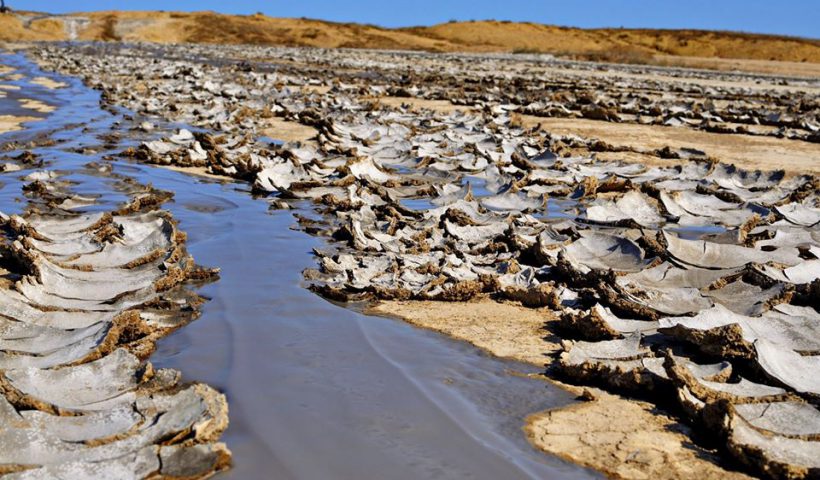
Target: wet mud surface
(683, 280)
(400, 400)
(302, 375)
(95, 272)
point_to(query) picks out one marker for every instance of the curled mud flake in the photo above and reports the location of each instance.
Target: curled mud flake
(719, 331)
(600, 251)
(623, 364)
(709, 384)
(746, 299)
(799, 214)
(788, 419)
(599, 323)
(804, 273)
(704, 254)
(632, 206)
(774, 455)
(604, 213)
(788, 367)
(639, 301)
(625, 349)
(77, 396)
(512, 202)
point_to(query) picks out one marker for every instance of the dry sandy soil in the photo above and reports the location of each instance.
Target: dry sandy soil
(486, 324)
(36, 105)
(765, 53)
(48, 83)
(803, 69)
(288, 131)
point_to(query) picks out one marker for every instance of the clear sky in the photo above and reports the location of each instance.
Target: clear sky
(788, 17)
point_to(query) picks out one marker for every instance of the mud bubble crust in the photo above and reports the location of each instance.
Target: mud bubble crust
(676, 276)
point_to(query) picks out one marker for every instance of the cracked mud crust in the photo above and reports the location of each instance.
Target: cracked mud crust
(640, 261)
(746, 151)
(619, 436)
(626, 439)
(86, 295)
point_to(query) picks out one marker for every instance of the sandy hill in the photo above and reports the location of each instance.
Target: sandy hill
(622, 45)
(493, 35)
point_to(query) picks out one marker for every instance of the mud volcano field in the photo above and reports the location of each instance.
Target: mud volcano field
(639, 246)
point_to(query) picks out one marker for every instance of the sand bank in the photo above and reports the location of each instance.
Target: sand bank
(622, 437)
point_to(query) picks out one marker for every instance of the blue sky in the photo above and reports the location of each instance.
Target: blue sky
(788, 17)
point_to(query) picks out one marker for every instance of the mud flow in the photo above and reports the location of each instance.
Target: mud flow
(98, 279)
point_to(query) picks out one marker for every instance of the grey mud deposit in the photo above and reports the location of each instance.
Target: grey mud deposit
(316, 391)
(685, 280)
(94, 274)
(693, 283)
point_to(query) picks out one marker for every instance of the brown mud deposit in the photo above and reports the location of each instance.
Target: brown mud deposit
(47, 82)
(36, 105)
(504, 329)
(10, 123)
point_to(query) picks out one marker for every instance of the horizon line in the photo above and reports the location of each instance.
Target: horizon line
(341, 22)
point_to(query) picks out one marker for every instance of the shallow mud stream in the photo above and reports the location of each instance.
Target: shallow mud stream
(315, 390)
